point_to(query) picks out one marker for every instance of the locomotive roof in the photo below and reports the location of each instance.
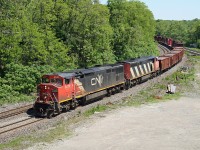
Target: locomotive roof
(79, 72)
(137, 60)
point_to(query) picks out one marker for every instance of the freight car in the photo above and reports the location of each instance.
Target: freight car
(164, 63)
(63, 91)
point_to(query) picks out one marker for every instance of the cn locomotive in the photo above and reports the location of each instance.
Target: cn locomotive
(62, 91)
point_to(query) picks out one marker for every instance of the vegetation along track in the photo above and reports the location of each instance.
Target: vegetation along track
(18, 124)
(16, 111)
(193, 52)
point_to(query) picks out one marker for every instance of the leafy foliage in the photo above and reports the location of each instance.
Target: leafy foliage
(187, 32)
(134, 30)
(19, 80)
(38, 37)
(87, 32)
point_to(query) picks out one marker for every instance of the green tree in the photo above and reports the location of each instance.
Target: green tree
(184, 31)
(10, 34)
(45, 14)
(87, 32)
(134, 29)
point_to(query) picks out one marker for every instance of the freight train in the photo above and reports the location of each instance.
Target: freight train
(62, 91)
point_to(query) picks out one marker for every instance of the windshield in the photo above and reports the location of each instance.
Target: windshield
(56, 81)
(53, 81)
(45, 80)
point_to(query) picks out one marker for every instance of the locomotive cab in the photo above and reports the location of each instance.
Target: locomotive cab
(49, 88)
(51, 92)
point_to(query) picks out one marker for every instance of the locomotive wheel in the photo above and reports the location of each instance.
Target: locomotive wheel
(50, 114)
(113, 91)
(66, 108)
(117, 89)
(127, 86)
(74, 104)
(109, 92)
(82, 101)
(37, 114)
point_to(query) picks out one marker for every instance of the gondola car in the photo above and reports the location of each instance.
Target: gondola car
(164, 63)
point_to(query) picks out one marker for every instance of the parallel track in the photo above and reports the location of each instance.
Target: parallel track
(18, 124)
(15, 111)
(193, 52)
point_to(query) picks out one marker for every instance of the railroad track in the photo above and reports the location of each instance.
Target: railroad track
(163, 48)
(193, 52)
(18, 124)
(15, 111)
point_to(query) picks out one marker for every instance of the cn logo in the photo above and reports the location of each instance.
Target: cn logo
(97, 80)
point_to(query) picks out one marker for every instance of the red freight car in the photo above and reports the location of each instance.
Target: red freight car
(173, 58)
(178, 54)
(164, 63)
(181, 51)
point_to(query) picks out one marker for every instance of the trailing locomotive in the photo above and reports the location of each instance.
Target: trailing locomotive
(63, 91)
(140, 69)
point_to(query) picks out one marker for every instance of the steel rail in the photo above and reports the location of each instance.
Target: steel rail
(20, 125)
(16, 111)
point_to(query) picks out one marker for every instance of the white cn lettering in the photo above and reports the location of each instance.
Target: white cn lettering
(93, 81)
(98, 79)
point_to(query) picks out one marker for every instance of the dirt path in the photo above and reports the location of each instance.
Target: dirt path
(172, 125)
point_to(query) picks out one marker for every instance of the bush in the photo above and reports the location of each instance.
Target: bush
(23, 79)
(20, 81)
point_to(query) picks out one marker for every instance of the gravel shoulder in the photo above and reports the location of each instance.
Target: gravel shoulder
(171, 125)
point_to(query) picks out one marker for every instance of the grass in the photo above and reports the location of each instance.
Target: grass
(99, 108)
(22, 142)
(153, 94)
(10, 99)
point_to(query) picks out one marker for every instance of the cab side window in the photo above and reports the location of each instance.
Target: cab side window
(67, 81)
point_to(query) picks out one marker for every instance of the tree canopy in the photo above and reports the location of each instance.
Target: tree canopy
(186, 31)
(134, 28)
(37, 37)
